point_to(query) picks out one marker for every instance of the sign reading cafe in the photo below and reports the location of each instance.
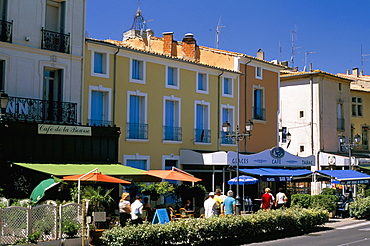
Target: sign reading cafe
(275, 157)
(64, 130)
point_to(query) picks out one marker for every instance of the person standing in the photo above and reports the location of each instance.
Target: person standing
(210, 206)
(281, 198)
(267, 200)
(137, 210)
(124, 208)
(229, 204)
(219, 202)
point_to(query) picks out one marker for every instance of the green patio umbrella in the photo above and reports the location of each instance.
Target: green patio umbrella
(40, 189)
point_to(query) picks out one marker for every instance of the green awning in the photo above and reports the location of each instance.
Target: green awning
(73, 169)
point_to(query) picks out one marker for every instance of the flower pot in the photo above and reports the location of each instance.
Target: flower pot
(95, 235)
(50, 243)
(72, 241)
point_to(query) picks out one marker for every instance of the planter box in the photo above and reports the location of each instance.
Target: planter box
(73, 242)
(95, 237)
(50, 243)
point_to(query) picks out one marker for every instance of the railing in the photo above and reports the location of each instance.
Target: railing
(259, 113)
(55, 41)
(27, 109)
(6, 31)
(340, 124)
(172, 133)
(92, 122)
(227, 140)
(202, 135)
(136, 131)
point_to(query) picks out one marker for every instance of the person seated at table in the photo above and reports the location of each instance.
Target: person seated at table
(149, 209)
(188, 206)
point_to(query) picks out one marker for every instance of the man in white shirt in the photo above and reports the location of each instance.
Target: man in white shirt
(209, 206)
(136, 211)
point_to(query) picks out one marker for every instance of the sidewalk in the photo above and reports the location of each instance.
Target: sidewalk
(338, 222)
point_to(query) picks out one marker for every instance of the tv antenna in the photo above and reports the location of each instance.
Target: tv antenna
(306, 58)
(362, 60)
(294, 52)
(218, 30)
(280, 51)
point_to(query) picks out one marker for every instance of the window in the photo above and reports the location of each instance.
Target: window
(2, 75)
(202, 83)
(172, 77)
(339, 86)
(99, 111)
(136, 125)
(340, 119)
(258, 72)
(227, 87)
(365, 138)
(301, 149)
(137, 71)
(357, 106)
(99, 64)
(137, 161)
(301, 114)
(53, 88)
(55, 16)
(3, 9)
(258, 103)
(139, 164)
(227, 114)
(202, 132)
(171, 127)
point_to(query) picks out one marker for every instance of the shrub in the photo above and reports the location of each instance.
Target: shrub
(70, 228)
(301, 200)
(216, 229)
(328, 191)
(360, 208)
(328, 202)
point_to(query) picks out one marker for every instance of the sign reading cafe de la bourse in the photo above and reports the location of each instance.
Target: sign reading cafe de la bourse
(275, 157)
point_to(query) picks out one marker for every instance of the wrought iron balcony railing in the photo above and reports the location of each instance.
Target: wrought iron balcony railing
(136, 131)
(340, 124)
(202, 135)
(259, 113)
(227, 140)
(172, 133)
(27, 109)
(55, 41)
(93, 122)
(6, 31)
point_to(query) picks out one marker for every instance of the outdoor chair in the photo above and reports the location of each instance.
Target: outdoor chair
(144, 215)
(184, 214)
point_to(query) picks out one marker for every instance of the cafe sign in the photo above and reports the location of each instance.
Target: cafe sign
(64, 130)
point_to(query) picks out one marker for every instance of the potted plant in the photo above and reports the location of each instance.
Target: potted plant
(71, 228)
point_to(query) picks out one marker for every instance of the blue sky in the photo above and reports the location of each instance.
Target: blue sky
(334, 29)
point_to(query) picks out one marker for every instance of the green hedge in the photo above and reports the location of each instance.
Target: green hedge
(301, 200)
(216, 229)
(360, 208)
(327, 202)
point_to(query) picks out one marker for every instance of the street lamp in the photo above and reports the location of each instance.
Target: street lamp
(238, 137)
(4, 98)
(349, 146)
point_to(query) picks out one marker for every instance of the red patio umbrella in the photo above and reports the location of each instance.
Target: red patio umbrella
(98, 177)
(173, 174)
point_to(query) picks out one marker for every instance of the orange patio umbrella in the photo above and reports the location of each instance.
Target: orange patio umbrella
(173, 174)
(98, 177)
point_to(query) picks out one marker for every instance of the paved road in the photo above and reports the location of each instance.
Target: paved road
(338, 232)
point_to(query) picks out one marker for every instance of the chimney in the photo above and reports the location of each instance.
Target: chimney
(348, 72)
(189, 45)
(261, 54)
(167, 44)
(355, 71)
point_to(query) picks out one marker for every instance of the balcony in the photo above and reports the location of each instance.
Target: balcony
(55, 41)
(259, 113)
(36, 110)
(202, 135)
(6, 31)
(171, 133)
(136, 131)
(93, 122)
(340, 124)
(227, 140)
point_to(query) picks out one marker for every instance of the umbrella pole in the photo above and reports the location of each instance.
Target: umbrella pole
(79, 184)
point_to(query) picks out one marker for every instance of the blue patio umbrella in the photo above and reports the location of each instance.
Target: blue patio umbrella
(243, 180)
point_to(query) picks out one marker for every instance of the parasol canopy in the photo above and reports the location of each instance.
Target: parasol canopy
(39, 191)
(173, 174)
(98, 177)
(243, 180)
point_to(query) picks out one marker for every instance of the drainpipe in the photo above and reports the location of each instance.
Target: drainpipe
(114, 87)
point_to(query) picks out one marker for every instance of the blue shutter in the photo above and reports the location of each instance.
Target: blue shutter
(98, 63)
(135, 69)
(199, 117)
(200, 82)
(170, 111)
(226, 86)
(170, 76)
(134, 109)
(257, 103)
(140, 164)
(97, 99)
(225, 115)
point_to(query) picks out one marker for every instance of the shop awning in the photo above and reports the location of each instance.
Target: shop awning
(347, 176)
(277, 175)
(129, 173)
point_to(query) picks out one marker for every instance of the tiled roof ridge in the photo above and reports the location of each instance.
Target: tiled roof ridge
(287, 73)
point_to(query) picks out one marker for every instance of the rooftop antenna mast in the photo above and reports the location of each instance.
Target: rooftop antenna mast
(306, 58)
(294, 33)
(362, 60)
(218, 30)
(280, 51)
